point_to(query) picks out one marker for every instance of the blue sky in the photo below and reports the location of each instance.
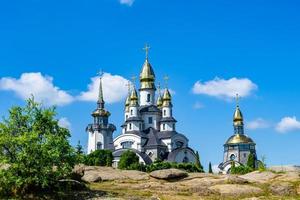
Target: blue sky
(54, 48)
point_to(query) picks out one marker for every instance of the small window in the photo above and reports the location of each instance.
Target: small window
(99, 145)
(150, 120)
(179, 144)
(185, 160)
(164, 126)
(140, 125)
(245, 155)
(127, 144)
(148, 98)
(165, 112)
(126, 116)
(131, 112)
(232, 157)
(130, 127)
(150, 154)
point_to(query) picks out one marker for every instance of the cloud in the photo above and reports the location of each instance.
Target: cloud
(38, 85)
(288, 124)
(198, 105)
(127, 2)
(258, 123)
(114, 89)
(64, 122)
(225, 89)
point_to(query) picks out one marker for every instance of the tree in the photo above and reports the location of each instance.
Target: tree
(127, 159)
(251, 161)
(99, 157)
(210, 168)
(80, 157)
(198, 163)
(36, 149)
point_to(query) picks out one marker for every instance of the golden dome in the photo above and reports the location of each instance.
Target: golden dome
(167, 98)
(147, 76)
(239, 139)
(238, 117)
(159, 101)
(100, 112)
(133, 98)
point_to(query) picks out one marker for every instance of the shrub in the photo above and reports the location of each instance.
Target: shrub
(189, 167)
(99, 158)
(36, 148)
(241, 170)
(251, 161)
(210, 168)
(128, 158)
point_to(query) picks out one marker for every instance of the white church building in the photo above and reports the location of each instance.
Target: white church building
(149, 128)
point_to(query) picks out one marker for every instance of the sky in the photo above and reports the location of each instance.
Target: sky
(210, 50)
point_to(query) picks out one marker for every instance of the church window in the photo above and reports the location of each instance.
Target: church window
(173, 127)
(140, 125)
(127, 144)
(245, 155)
(130, 126)
(131, 112)
(148, 98)
(99, 145)
(185, 160)
(179, 144)
(165, 112)
(150, 120)
(150, 154)
(164, 126)
(126, 116)
(232, 157)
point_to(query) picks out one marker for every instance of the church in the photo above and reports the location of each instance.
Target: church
(149, 127)
(239, 146)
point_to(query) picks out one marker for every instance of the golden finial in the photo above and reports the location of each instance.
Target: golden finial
(146, 49)
(100, 73)
(158, 87)
(128, 86)
(166, 78)
(133, 78)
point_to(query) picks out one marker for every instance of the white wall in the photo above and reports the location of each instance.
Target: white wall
(143, 97)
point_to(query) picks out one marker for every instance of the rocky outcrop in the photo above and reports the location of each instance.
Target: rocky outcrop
(285, 168)
(259, 177)
(168, 174)
(234, 190)
(282, 189)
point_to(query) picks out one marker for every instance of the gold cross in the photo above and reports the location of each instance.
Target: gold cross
(128, 85)
(100, 73)
(158, 87)
(133, 80)
(146, 49)
(166, 78)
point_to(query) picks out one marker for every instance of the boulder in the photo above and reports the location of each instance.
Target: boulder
(234, 190)
(282, 188)
(168, 174)
(259, 177)
(288, 177)
(285, 168)
(233, 179)
(91, 176)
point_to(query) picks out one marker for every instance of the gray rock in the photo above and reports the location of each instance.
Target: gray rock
(235, 190)
(232, 179)
(259, 177)
(285, 168)
(282, 189)
(91, 176)
(168, 174)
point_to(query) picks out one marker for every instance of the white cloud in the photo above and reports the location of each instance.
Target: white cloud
(38, 85)
(127, 2)
(64, 122)
(288, 124)
(198, 105)
(258, 123)
(114, 89)
(225, 89)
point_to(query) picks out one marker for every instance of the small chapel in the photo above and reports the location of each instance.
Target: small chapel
(149, 128)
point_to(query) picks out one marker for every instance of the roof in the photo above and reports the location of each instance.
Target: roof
(151, 108)
(168, 119)
(240, 139)
(131, 119)
(153, 139)
(172, 155)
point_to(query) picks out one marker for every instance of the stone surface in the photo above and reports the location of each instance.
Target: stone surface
(282, 189)
(285, 168)
(168, 174)
(232, 179)
(91, 176)
(234, 190)
(259, 177)
(288, 176)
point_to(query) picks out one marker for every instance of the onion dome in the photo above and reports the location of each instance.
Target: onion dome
(239, 139)
(133, 98)
(167, 98)
(147, 76)
(238, 117)
(159, 101)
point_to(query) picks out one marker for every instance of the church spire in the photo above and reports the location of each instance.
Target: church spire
(147, 76)
(159, 101)
(238, 119)
(100, 101)
(167, 96)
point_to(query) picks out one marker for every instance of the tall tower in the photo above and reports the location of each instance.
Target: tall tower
(100, 132)
(147, 81)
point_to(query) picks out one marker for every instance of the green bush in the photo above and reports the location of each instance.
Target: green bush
(36, 148)
(128, 158)
(189, 167)
(99, 158)
(251, 161)
(241, 170)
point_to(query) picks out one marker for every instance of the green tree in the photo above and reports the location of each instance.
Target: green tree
(127, 159)
(36, 149)
(251, 161)
(198, 163)
(80, 157)
(210, 168)
(99, 158)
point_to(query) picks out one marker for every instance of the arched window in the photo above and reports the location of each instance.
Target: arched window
(131, 112)
(164, 126)
(127, 144)
(130, 126)
(148, 98)
(232, 157)
(165, 112)
(179, 144)
(173, 127)
(99, 145)
(150, 119)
